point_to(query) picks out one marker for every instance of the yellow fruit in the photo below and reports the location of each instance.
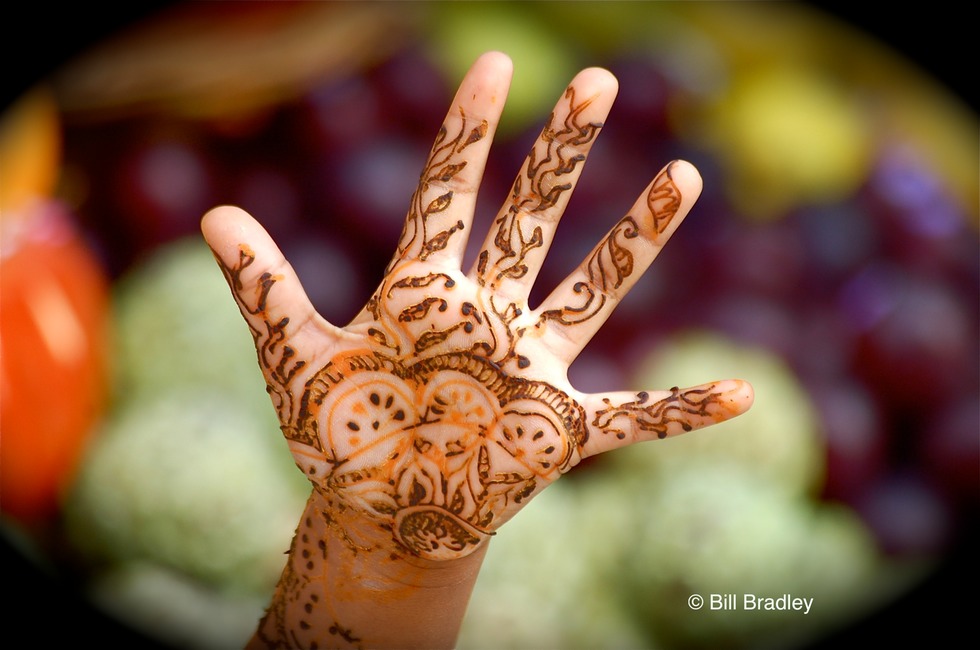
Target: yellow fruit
(543, 61)
(789, 135)
(30, 149)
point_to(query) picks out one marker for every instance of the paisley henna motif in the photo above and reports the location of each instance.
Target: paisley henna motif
(663, 201)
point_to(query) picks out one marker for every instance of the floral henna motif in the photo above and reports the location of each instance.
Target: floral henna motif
(424, 428)
(431, 427)
(441, 451)
(443, 407)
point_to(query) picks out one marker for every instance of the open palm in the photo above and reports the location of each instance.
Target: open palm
(444, 406)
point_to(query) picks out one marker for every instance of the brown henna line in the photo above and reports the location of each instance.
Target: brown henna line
(439, 168)
(279, 372)
(657, 417)
(345, 634)
(416, 282)
(608, 266)
(507, 226)
(438, 509)
(420, 310)
(664, 200)
(511, 243)
(611, 263)
(308, 548)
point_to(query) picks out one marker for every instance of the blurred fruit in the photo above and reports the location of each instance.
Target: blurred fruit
(858, 443)
(370, 186)
(54, 323)
(177, 324)
(332, 278)
(215, 60)
(165, 184)
(184, 479)
(909, 516)
(412, 90)
(187, 496)
(835, 237)
(179, 612)
(916, 337)
(789, 136)
(950, 449)
(30, 150)
(710, 528)
(578, 536)
(343, 113)
(543, 61)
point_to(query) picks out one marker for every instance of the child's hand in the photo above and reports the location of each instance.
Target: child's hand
(444, 406)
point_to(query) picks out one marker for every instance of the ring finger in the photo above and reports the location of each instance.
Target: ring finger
(572, 314)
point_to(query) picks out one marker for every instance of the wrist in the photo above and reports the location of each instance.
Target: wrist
(349, 582)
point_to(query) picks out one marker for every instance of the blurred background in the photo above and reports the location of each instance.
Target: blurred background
(832, 260)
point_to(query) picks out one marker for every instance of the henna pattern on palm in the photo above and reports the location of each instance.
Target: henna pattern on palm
(443, 407)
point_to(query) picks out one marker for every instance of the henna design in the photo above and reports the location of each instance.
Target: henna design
(662, 417)
(442, 167)
(425, 430)
(607, 267)
(408, 320)
(424, 425)
(426, 530)
(275, 357)
(663, 200)
(300, 617)
(611, 262)
(543, 173)
(439, 449)
(442, 449)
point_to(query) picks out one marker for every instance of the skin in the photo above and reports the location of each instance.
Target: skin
(436, 414)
